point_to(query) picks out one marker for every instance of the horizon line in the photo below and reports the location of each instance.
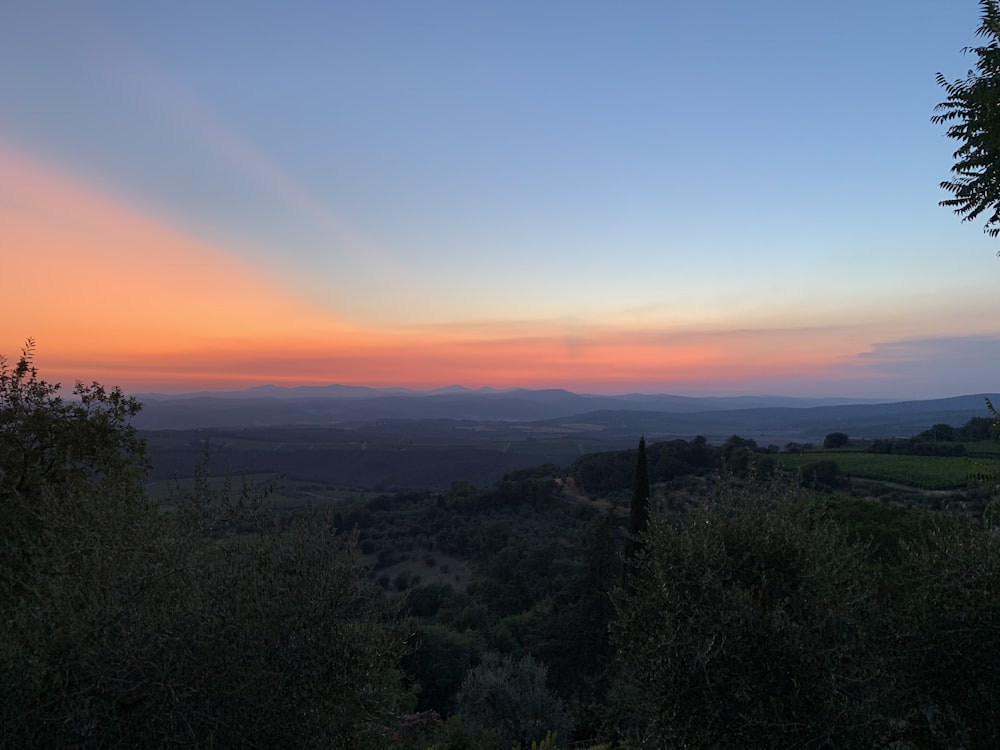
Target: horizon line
(458, 389)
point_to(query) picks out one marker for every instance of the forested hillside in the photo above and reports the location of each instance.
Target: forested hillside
(776, 598)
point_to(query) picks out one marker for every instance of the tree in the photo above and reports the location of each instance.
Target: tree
(65, 469)
(503, 702)
(202, 623)
(48, 444)
(820, 474)
(639, 507)
(571, 635)
(836, 440)
(972, 114)
(947, 650)
(750, 625)
(738, 455)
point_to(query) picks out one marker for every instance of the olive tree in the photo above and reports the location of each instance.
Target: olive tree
(946, 649)
(504, 703)
(127, 624)
(748, 624)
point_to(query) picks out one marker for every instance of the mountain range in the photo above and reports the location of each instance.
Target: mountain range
(662, 415)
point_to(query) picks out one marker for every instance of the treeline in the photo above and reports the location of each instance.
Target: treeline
(939, 440)
(611, 472)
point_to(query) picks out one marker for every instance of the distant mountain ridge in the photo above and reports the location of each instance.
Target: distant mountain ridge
(655, 415)
(534, 395)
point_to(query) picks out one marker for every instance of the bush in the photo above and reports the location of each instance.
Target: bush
(750, 625)
(504, 703)
(947, 655)
(820, 474)
(123, 625)
(425, 601)
(836, 440)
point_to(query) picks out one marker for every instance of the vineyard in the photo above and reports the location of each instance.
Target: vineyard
(924, 472)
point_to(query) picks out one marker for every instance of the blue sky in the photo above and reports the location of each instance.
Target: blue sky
(474, 175)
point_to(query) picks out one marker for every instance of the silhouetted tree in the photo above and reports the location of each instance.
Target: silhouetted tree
(737, 455)
(205, 624)
(836, 440)
(639, 507)
(972, 113)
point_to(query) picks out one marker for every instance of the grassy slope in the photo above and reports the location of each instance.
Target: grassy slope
(924, 472)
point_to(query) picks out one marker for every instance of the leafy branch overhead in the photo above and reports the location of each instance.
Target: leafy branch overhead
(972, 114)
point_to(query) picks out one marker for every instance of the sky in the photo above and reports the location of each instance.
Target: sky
(659, 197)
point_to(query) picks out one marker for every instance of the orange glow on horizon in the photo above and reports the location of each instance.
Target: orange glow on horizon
(112, 295)
(603, 364)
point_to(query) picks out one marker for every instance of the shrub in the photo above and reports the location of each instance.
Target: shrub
(748, 625)
(504, 703)
(124, 625)
(836, 440)
(820, 474)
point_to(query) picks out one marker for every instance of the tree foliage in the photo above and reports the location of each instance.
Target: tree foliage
(946, 653)
(746, 627)
(125, 624)
(638, 517)
(50, 445)
(504, 703)
(768, 619)
(609, 472)
(974, 430)
(836, 440)
(972, 113)
(820, 475)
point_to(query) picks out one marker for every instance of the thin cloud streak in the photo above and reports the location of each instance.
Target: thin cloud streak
(937, 366)
(145, 84)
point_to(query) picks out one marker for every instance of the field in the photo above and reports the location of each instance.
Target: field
(924, 472)
(284, 494)
(387, 455)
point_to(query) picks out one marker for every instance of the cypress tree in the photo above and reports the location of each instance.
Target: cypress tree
(638, 508)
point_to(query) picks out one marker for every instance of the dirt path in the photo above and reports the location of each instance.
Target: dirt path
(863, 483)
(572, 493)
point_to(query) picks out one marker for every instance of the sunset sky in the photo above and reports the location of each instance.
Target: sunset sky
(662, 197)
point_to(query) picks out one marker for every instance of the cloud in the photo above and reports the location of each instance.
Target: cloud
(934, 366)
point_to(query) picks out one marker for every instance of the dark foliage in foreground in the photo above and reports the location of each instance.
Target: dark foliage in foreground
(761, 619)
(758, 613)
(123, 626)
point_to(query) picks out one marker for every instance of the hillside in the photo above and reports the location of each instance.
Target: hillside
(369, 439)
